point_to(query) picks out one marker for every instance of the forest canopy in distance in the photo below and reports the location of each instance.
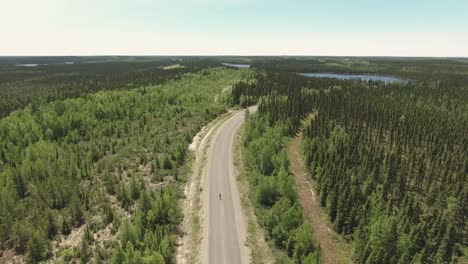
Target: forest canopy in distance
(87, 143)
(389, 160)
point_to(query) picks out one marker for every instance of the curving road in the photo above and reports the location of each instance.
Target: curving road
(224, 221)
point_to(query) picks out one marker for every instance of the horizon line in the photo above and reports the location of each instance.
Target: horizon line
(233, 55)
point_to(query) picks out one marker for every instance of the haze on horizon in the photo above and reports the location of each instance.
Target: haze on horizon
(235, 27)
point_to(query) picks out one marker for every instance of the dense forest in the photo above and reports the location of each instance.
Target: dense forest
(389, 160)
(450, 70)
(48, 79)
(391, 167)
(96, 178)
(93, 154)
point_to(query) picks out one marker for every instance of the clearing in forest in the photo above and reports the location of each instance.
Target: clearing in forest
(333, 251)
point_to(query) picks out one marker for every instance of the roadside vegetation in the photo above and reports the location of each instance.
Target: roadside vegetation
(273, 192)
(261, 251)
(104, 169)
(388, 160)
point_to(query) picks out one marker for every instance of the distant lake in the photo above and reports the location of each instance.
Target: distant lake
(362, 77)
(240, 66)
(27, 65)
(36, 64)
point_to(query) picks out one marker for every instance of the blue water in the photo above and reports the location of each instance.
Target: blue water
(362, 77)
(37, 64)
(240, 66)
(27, 65)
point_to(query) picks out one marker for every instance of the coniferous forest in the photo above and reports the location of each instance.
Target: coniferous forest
(48, 79)
(94, 154)
(98, 178)
(389, 159)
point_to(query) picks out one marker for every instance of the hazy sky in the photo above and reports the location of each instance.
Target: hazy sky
(234, 27)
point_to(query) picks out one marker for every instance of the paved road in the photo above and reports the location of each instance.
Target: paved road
(224, 220)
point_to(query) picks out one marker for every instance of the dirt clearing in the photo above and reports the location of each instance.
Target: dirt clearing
(333, 251)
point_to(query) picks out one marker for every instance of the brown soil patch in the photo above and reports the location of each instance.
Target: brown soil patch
(333, 251)
(10, 256)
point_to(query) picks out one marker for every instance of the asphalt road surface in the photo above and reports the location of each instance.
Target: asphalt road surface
(224, 220)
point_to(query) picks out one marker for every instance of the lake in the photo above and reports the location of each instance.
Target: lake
(362, 77)
(240, 66)
(27, 65)
(37, 64)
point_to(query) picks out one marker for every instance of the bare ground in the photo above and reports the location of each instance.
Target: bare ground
(333, 251)
(10, 256)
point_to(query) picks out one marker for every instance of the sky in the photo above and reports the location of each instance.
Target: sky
(235, 27)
